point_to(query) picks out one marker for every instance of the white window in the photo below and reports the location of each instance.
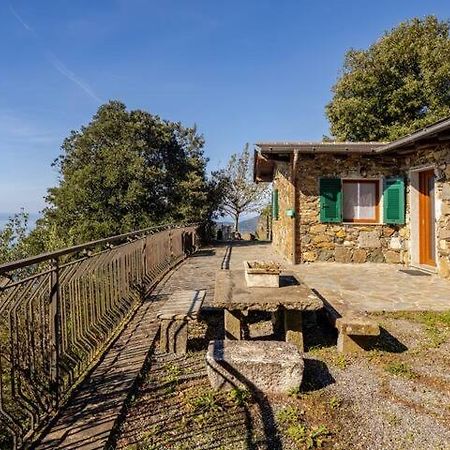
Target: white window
(361, 200)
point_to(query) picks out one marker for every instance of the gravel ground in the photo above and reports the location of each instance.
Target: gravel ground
(396, 396)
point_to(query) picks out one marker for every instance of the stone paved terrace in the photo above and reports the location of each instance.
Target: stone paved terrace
(378, 287)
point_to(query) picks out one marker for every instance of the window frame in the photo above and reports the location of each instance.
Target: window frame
(376, 182)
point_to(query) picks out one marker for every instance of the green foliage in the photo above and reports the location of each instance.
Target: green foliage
(295, 392)
(240, 397)
(311, 438)
(204, 403)
(299, 432)
(172, 378)
(335, 402)
(341, 361)
(240, 193)
(267, 211)
(288, 415)
(13, 243)
(401, 83)
(126, 170)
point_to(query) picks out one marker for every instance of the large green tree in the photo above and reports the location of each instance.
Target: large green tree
(124, 171)
(399, 84)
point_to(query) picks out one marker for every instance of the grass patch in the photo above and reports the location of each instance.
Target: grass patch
(335, 403)
(206, 401)
(341, 361)
(303, 436)
(239, 397)
(172, 378)
(400, 369)
(295, 392)
(436, 324)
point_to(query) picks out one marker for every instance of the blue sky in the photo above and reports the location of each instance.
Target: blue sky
(243, 71)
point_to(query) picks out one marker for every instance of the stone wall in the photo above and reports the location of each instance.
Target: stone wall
(344, 242)
(282, 229)
(438, 158)
(264, 228)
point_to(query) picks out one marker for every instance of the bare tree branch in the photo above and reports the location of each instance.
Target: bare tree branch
(242, 194)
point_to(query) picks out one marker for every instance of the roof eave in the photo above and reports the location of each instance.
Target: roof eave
(429, 132)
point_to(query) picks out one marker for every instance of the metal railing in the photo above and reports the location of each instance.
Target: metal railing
(59, 311)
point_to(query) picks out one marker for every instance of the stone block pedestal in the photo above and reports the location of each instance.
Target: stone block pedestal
(293, 327)
(174, 336)
(261, 366)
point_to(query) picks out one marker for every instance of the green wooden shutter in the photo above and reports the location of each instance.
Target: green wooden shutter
(330, 200)
(394, 201)
(275, 207)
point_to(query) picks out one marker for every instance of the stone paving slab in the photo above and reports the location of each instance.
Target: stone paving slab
(185, 304)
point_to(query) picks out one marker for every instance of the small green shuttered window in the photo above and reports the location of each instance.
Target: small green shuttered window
(330, 200)
(275, 208)
(394, 201)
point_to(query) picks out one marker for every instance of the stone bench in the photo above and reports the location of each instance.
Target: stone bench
(259, 366)
(355, 330)
(180, 308)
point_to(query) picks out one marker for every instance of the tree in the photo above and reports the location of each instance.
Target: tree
(401, 83)
(13, 244)
(241, 193)
(124, 171)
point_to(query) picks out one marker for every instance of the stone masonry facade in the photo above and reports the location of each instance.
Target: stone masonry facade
(338, 241)
(282, 229)
(356, 243)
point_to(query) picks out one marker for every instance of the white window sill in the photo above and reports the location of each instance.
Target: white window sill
(363, 223)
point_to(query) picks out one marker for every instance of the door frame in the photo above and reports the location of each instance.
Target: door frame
(427, 212)
(414, 218)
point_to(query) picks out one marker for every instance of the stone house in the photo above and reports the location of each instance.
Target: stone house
(356, 202)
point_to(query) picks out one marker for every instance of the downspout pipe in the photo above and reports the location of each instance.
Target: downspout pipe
(294, 163)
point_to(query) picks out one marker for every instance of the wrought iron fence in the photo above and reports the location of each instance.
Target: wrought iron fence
(59, 311)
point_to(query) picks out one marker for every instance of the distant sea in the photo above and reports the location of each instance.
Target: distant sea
(4, 217)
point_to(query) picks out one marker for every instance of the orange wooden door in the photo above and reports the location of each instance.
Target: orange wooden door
(427, 244)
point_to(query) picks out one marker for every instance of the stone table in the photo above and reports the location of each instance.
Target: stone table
(286, 302)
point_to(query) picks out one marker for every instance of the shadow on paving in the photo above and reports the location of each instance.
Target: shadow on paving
(387, 342)
(91, 414)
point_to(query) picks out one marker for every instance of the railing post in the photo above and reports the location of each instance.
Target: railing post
(170, 246)
(144, 256)
(55, 329)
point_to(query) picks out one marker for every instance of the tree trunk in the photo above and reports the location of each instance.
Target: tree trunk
(236, 222)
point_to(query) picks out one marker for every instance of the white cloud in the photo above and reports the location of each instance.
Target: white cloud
(15, 130)
(62, 69)
(55, 61)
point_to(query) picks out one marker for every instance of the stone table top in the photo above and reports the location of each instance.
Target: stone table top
(232, 292)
